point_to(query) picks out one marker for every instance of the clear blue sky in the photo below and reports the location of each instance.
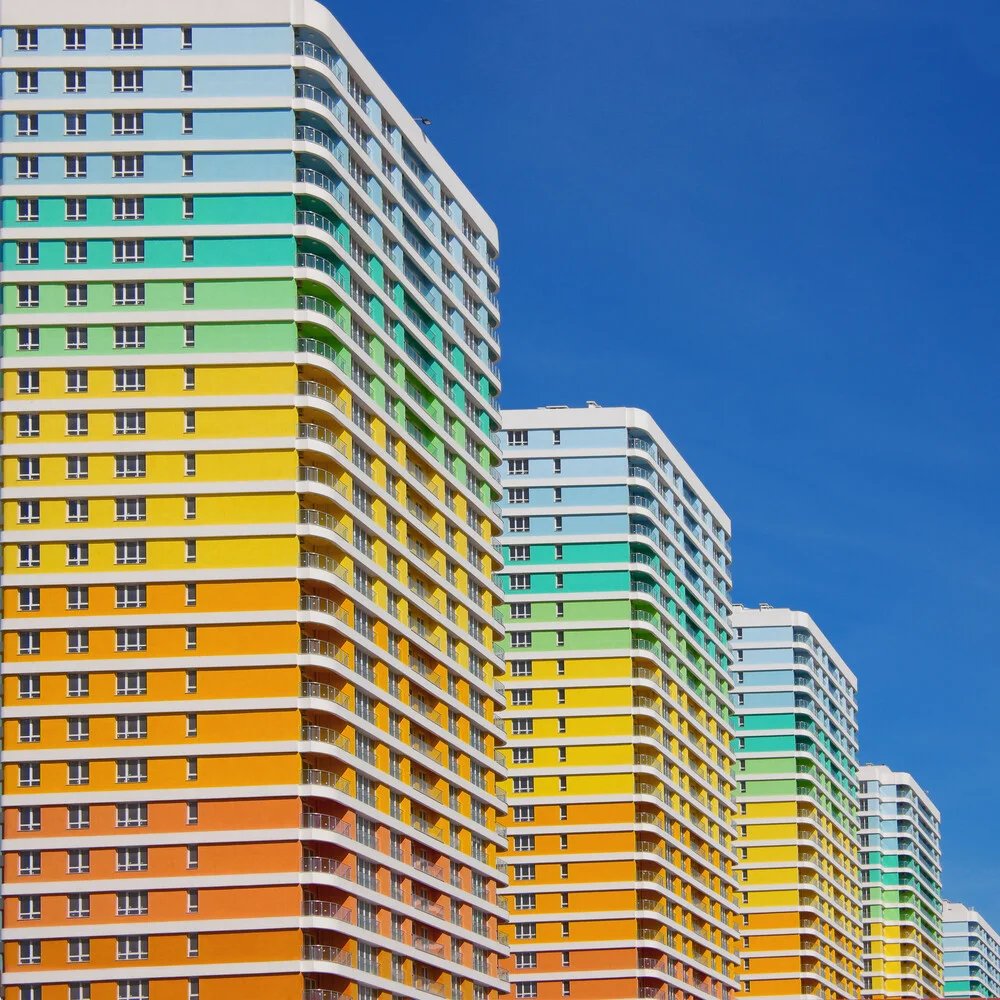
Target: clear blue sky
(776, 227)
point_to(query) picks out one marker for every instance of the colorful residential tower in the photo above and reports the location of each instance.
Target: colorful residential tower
(618, 714)
(797, 755)
(971, 953)
(249, 438)
(900, 886)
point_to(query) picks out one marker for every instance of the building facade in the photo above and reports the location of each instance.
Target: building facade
(620, 784)
(900, 886)
(971, 953)
(249, 518)
(796, 704)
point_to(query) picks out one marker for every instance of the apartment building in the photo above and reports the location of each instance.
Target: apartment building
(900, 886)
(798, 829)
(249, 516)
(971, 953)
(618, 712)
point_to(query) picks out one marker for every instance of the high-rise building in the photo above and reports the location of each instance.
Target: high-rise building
(249, 417)
(618, 583)
(797, 755)
(971, 953)
(900, 886)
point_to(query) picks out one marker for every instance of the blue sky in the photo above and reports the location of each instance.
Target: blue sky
(775, 226)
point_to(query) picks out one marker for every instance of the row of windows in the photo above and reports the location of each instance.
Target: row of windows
(129, 337)
(522, 494)
(127, 640)
(78, 511)
(128, 859)
(129, 208)
(123, 81)
(134, 771)
(126, 293)
(75, 252)
(130, 553)
(127, 727)
(128, 422)
(132, 989)
(128, 814)
(519, 439)
(128, 684)
(521, 467)
(129, 165)
(75, 123)
(75, 39)
(78, 379)
(78, 467)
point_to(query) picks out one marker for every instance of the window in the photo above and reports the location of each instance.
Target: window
(76, 209)
(27, 297)
(130, 640)
(524, 842)
(520, 609)
(29, 908)
(29, 819)
(129, 209)
(133, 904)
(28, 512)
(29, 598)
(27, 338)
(188, 296)
(75, 165)
(557, 466)
(29, 643)
(78, 772)
(77, 379)
(186, 38)
(78, 640)
(130, 422)
(190, 550)
(75, 123)
(190, 594)
(130, 683)
(520, 581)
(29, 468)
(129, 252)
(191, 682)
(29, 731)
(27, 125)
(192, 900)
(524, 785)
(78, 818)
(27, 253)
(192, 769)
(27, 81)
(526, 960)
(130, 380)
(76, 338)
(29, 556)
(189, 336)
(524, 932)
(130, 595)
(27, 39)
(517, 439)
(559, 581)
(127, 165)
(520, 640)
(524, 755)
(27, 208)
(77, 424)
(133, 859)
(192, 814)
(191, 639)
(187, 122)
(524, 901)
(131, 772)
(78, 861)
(27, 169)
(77, 598)
(29, 863)
(192, 946)
(187, 209)
(516, 525)
(517, 467)
(130, 509)
(187, 165)
(29, 953)
(29, 775)
(29, 686)
(126, 81)
(77, 553)
(77, 467)
(522, 727)
(188, 251)
(78, 730)
(189, 421)
(520, 494)
(126, 38)
(130, 727)
(74, 39)
(127, 123)
(189, 379)
(80, 991)
(187, 79)
(131, 814)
